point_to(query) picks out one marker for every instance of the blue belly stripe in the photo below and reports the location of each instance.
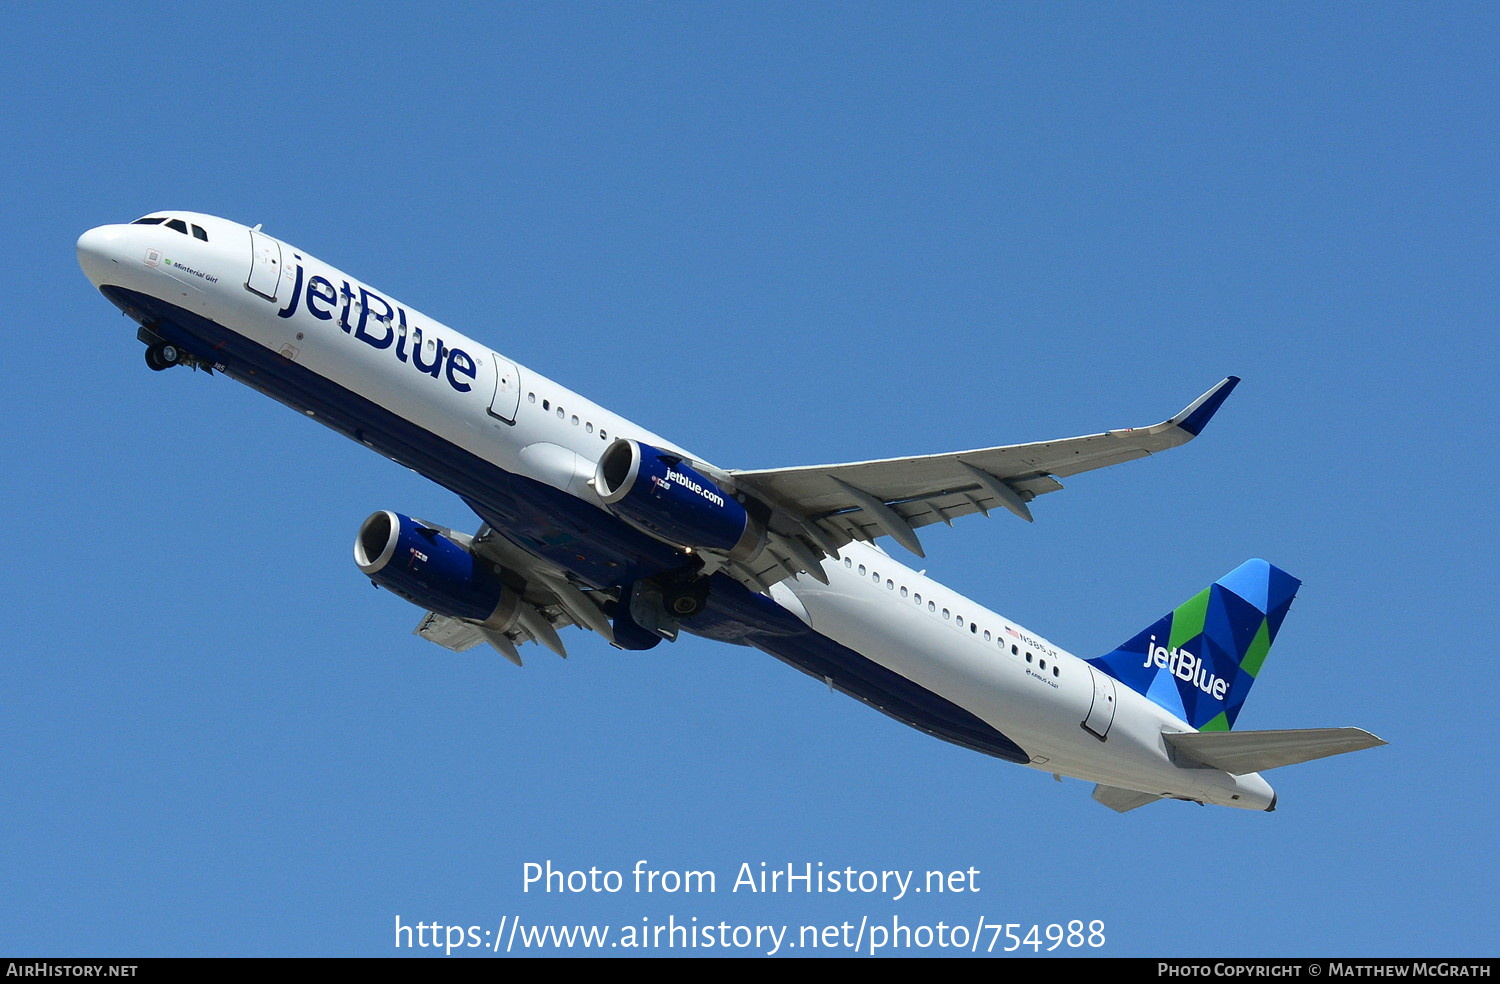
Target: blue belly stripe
(601, 550)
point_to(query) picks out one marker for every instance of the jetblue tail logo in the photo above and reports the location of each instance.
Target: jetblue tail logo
(1185, 666)
(1200, 660)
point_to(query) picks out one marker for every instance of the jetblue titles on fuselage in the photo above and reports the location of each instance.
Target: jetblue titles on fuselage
(632, 536)
(381, 329)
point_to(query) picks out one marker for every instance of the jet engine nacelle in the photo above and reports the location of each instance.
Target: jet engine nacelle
(431, 570)
(662, 494)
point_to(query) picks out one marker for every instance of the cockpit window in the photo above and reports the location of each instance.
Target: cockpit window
(171, 223)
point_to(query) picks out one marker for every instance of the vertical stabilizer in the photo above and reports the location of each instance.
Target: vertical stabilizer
(1200, 660)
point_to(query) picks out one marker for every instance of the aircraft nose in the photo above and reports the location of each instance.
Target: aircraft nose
(98, 254)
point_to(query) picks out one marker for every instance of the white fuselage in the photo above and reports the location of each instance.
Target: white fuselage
(462, 392)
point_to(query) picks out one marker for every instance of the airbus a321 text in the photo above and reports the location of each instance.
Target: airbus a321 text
(592, 521)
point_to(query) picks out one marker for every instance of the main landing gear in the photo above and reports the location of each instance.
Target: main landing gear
(163, 355)
(686, 598)
(649, 611)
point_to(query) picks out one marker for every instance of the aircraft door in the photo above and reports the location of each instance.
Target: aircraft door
(1102, 711)
(507, 398)
(265, 265)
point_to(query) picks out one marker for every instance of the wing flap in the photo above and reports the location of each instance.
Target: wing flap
(893, 497)
(545, 602)
(451, 633)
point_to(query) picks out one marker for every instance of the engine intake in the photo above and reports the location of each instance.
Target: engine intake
(432, 570)
(662, 494)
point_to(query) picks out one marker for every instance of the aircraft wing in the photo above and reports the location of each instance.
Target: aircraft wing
(547, 601)
(822, 507)
(815, 510)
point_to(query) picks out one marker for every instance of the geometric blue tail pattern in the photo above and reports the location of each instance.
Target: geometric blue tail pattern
(1200, 659)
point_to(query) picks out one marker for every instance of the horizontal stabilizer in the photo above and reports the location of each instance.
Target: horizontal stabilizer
(1122, 800)
(1241, 752)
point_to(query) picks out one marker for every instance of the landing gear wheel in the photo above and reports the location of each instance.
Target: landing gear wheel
(163, 356)
(686, 598)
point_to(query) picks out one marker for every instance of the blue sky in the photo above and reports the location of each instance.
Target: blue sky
(781, 234)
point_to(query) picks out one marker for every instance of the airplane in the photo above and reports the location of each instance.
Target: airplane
(590, 520)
